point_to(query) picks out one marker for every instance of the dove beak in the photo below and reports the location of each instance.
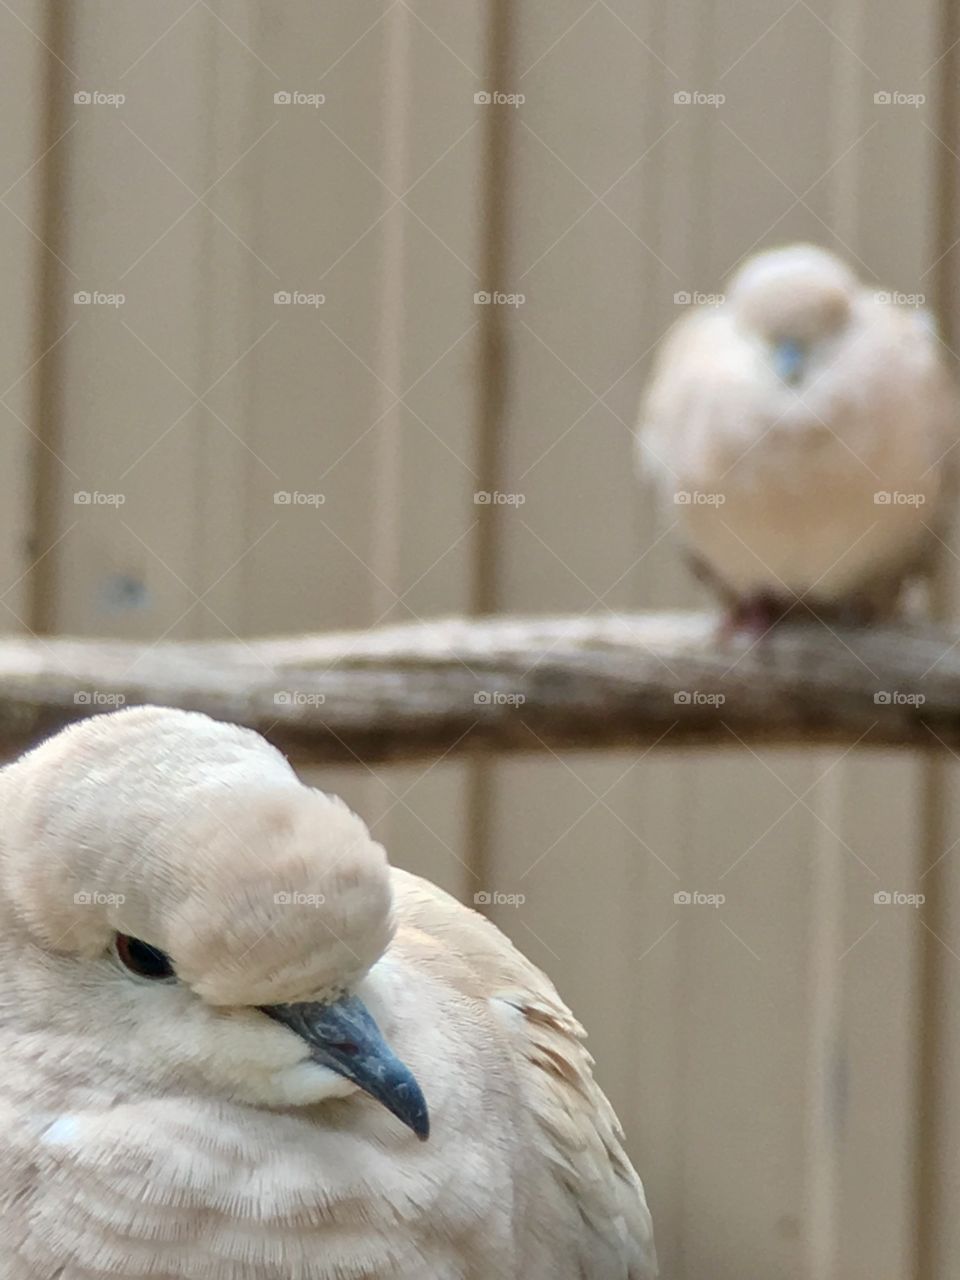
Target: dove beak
(343, 1036)
(789, 358)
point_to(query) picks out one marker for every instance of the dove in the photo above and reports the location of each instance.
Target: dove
(238, 1045)
(799, 436)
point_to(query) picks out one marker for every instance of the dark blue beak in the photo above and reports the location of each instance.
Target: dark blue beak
(789, 360)
(344, 1037)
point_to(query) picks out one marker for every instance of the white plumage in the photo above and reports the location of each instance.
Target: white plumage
(218, 1123)
(801, 434)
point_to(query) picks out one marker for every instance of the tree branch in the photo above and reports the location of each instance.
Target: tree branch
(511, 684)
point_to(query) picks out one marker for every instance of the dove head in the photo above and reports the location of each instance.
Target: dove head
(168, 878)
(796, 300)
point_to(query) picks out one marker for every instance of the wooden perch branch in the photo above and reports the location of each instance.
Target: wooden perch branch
(510, 684)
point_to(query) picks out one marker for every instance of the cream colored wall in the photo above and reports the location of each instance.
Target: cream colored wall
(783, 1064)
(24, 266)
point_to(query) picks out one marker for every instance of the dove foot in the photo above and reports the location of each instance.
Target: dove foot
(754, 615)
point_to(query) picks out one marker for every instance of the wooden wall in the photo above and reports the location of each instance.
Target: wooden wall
(786, 1064)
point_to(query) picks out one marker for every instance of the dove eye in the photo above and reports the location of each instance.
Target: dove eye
(142, 959)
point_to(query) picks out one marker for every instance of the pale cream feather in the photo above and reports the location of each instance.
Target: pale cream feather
(779, 487)
(173, 1131)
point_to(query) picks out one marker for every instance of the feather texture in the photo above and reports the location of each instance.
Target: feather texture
(170, 1130)
(801, 434)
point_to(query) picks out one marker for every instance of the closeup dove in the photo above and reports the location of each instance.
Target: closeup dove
(799, 434)
(237, 1045)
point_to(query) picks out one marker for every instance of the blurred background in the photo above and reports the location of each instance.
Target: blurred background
(292, 289)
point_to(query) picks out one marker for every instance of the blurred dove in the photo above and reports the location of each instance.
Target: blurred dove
(800, 432)
(224, 1019)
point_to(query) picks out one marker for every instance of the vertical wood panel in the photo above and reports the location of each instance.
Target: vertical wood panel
(869, 1127)
(939, 1171)
(32, 86)
(428, 446)
(594, 843)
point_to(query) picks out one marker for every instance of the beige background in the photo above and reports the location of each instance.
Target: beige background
(786, 1065)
